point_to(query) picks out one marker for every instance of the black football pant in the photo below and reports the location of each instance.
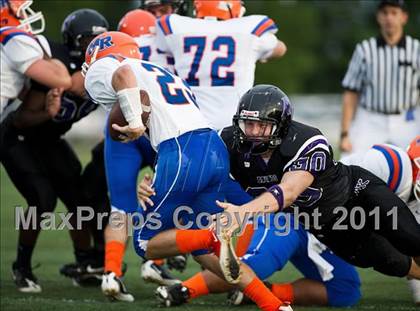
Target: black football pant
(43, 171)
(390, 236)
(96, 193)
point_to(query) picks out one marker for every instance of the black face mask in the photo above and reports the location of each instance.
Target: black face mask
(256, 145)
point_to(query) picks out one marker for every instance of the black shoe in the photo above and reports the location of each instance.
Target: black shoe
(85, 274)
(178, 263)
(174, 295)
(24, 279)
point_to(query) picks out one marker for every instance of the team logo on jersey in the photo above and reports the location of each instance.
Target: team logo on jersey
(103, 43)
(360, 185)
(248, 113)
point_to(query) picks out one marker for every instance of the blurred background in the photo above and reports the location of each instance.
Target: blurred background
(320, 35)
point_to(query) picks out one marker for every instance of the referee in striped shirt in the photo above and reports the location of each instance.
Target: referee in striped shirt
(383, 83)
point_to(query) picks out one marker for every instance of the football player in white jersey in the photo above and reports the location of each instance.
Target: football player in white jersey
(123, 161)
(401, 171)
(192, 165)
(25, 55)
(217, 51)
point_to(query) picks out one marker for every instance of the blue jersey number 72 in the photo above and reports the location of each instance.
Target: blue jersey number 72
(226, 61)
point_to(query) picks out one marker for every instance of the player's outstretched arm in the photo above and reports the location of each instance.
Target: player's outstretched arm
(275, 199)
(50, 72)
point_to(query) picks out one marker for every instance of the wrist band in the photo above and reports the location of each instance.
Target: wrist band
(277, 193)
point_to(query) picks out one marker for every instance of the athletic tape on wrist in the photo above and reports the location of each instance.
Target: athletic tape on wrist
(131, 107)
(277, 193)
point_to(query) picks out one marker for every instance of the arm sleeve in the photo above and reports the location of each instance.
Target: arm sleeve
(98, 82)
(265, 45)
(264, 29)
(22, 51)
(161, 43)
(354, 77)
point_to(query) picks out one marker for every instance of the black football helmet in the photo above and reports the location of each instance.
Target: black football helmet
(270, 106)
(180, 7)
(79, 28)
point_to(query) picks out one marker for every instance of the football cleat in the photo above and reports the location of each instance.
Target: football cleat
(285, 307)
(236, 298)
(174, 295)
(83, 274)
(113, 287)
(415, 290)
(229, 262)
(24, 279)
(151, 272)
(178, 263)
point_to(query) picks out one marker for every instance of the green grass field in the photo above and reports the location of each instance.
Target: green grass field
(54, 249)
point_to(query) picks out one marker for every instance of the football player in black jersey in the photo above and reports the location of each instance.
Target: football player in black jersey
(78, 29)
(40, 163)
(265, 141)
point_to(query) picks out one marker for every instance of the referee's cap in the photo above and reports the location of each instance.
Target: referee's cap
(395, 3)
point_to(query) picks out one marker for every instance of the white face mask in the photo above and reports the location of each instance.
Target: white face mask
(30, 20)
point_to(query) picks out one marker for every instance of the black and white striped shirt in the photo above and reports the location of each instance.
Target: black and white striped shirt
(386, 77)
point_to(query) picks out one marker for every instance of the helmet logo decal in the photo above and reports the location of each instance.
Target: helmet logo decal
(287, 108)
(224, 5)
(101, 43)
(248, 113)
(98, 29)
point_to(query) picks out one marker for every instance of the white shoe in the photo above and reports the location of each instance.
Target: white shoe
(415, 290)
(25, 281)
(114, 288)
(228, 260)
(285, 308)
(151, 272)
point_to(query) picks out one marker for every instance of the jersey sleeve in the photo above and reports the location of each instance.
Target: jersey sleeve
(264, 29)
(353, 79)
(163, 29)
(98, 81)
(312, 156)
(22, 51)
